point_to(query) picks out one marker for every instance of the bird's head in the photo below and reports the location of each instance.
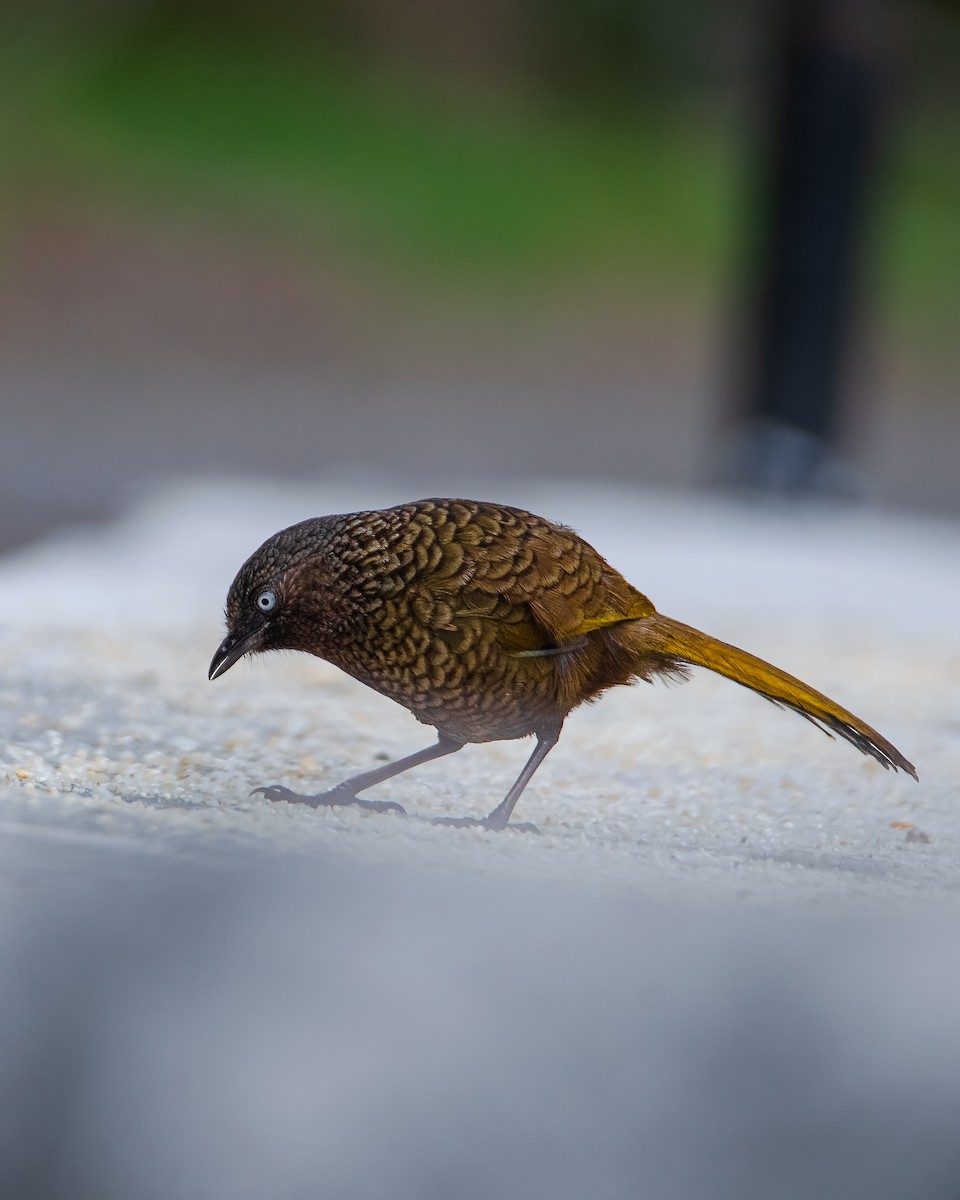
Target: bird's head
(270, 601)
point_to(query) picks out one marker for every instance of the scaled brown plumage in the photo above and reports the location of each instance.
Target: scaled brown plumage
(487, 622)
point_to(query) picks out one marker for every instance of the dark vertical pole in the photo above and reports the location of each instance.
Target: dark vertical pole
(825, 106)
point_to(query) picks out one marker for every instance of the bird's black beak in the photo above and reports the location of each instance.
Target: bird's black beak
(231, 650)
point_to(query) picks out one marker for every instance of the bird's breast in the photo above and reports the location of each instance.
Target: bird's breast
(450, 670)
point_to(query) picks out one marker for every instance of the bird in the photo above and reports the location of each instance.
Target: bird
(488, 623)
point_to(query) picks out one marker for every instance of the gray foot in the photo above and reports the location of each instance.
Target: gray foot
(331, 799)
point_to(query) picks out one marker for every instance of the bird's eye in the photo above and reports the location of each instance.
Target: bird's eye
(266, 601)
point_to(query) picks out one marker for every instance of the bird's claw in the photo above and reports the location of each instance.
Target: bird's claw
(378, 805)
(485, 823)
(331, 799)
(275, 793)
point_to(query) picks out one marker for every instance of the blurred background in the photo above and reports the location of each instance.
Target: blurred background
(671, 244)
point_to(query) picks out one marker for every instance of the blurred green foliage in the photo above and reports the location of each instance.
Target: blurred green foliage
(384, 168)
(452, 182)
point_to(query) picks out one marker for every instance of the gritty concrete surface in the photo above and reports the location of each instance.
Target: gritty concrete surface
(726, 966)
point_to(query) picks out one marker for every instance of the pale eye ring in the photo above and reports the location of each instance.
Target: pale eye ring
(267, 601)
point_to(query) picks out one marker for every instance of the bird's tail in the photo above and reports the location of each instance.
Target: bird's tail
(674, 644)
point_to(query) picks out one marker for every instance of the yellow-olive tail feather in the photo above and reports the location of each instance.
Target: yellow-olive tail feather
(678, 643)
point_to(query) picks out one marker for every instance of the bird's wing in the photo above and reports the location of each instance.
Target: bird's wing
(544, 587)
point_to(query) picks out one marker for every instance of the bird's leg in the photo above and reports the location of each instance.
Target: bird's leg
(500, 816)
(346, 792)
